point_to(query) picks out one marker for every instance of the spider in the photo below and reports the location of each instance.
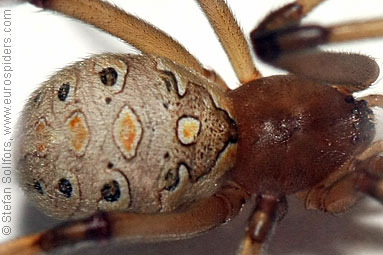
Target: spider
(259, 203)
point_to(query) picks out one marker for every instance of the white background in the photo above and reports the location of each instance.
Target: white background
(44, 42)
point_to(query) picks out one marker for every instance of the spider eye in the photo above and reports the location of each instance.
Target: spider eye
(63, 91)
(65, 187)
(37, 186)
(108, 76)
(111, 191)
(349, 99)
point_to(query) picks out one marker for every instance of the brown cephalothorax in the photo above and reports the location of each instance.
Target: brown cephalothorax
(297, 131)
(156, 147)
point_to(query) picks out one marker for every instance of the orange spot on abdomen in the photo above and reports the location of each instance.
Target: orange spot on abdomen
(127, 132)
(41, 135)
(190, 130)
(78, 131)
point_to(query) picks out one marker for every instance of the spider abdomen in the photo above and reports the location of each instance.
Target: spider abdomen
(124, 132)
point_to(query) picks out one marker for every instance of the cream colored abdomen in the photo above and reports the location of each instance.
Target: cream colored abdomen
(124, 132)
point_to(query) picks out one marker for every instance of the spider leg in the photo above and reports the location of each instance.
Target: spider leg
(343, 188)
(231, 38)
(374, 100)
(267, 212)
(201, 217)
(280, 41)
(370, 184)
(368, 177)
(335, 194)
(271, 44)
(374, 149)
(129, 28)
(288, 15)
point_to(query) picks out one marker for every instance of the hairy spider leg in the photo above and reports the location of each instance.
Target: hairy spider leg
(200, 217)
